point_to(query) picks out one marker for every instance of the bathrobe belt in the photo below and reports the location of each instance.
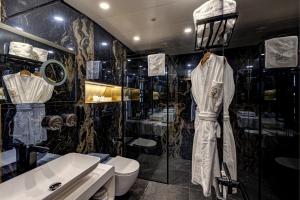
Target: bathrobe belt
(212, 117)
(209, 116)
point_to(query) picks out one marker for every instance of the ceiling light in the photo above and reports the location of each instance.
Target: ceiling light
(19, 28)
(71, 49)
(58, 18)
(51, 52)
(104, 43)
(249, 66)
(188, 30)
(129, 60)
(104, 6)
(140, 66)
(189, 65)
(136, 38)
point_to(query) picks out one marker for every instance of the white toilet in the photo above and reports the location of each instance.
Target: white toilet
(126, 173)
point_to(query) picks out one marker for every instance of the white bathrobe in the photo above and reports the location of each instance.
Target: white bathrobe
(27, 89)
(29, 93)
(212, 85)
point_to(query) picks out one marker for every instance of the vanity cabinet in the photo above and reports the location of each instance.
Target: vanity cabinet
(103, 176)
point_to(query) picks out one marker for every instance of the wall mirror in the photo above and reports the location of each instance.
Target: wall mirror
(54, 72)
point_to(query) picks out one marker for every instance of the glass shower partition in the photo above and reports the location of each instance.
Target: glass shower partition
(146, 120)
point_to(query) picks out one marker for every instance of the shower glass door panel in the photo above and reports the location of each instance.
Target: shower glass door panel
(146, 121)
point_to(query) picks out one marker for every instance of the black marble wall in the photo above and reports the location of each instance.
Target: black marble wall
(99, 127)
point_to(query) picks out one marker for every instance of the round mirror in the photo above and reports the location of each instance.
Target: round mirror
(54, 72)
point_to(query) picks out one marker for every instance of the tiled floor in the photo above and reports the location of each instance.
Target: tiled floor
(179, 187)
(149, 190)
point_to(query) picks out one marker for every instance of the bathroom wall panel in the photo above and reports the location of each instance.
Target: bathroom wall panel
(109, 117)
(41, 21)
(99, 127)
(66, 92)
(16, 6)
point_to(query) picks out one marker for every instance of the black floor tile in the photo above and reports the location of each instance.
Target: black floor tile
(136, 192)
(159, 191)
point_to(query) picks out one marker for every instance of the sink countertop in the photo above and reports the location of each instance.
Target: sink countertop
(60, 174)
(86, 187)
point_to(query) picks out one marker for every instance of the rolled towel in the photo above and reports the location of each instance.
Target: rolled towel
(20, 49)
(53, 123)
(70, 120)
(39, 54)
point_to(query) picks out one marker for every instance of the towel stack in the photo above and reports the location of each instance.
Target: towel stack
(39, 54)
(28, 51)
(20, 49)
(214, 8)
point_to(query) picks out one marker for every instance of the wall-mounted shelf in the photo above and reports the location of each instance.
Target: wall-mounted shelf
(7, 58)
(215, 32)
(30, 36)
(105, 93)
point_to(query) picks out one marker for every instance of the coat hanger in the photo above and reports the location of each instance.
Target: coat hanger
(38, 74)
(25, 72)
(206, 56)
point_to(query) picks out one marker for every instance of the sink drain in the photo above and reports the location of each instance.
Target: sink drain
(54, 186)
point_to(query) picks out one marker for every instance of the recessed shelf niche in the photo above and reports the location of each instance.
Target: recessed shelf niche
(104, 93)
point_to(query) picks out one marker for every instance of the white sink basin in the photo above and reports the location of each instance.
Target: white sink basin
(36, 183)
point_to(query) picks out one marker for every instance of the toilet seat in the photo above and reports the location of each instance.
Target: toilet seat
(124, 166)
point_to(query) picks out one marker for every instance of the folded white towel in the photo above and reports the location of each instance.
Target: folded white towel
(281, 52)
(156, 64)
(93, 69)
(20, 49)
(213, 8)
(39, 54)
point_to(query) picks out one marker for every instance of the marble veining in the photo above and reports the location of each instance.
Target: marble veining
(83, 30)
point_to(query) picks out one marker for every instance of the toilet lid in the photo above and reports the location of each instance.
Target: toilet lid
(124, 165)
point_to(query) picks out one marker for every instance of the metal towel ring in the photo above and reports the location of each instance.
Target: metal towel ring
(48, 80)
